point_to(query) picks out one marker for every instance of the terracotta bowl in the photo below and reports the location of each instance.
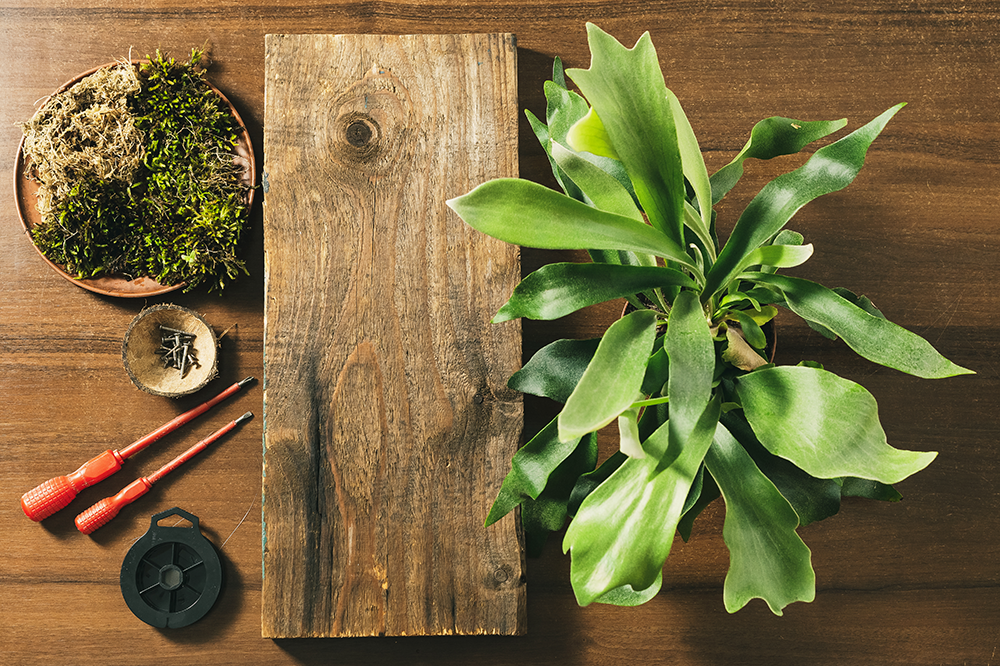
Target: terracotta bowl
(25, 191)
(145, 367)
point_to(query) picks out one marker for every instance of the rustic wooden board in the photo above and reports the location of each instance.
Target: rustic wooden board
(388, 424)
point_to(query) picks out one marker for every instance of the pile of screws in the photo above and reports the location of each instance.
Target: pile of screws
(177, 349)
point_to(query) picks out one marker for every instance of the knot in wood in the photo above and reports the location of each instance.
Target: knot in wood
(370, 127)
(502, 576)
(362, 133)
(359, 133)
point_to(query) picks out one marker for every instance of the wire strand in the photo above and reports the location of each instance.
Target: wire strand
(238, 525)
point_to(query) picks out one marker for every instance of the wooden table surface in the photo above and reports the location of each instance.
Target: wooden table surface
(909, 583)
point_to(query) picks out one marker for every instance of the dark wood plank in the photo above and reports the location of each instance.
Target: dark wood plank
(388, 422)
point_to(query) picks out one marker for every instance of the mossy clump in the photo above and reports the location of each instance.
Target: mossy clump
(138, 175)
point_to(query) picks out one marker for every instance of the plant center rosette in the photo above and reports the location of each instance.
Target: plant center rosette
(700, 412)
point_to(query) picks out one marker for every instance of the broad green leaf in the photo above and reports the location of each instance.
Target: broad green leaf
(540, 129)
(657, 371)
(548, 512)
(626, 595)
(751, 330)
(695, 491)
(765, 295)
(539, 518)
(692, 366)
(590, 481)
(556, 290)
(736, 297)
(826, 425)
(769, 138)
(525, 213)
(784, 237)
(777, 256)
(563, 110)
(588, 135)
(831, 168)
(767, 559)
(693, 221)
(530, 470)
(612, 380)
(555, 369)
(598, 182)
(542, 134)
(871, 336)
(558, 73)
(765, 314)
(622, 533)
(628, 433)
(625, 89)
(788, 237)
(708, 493)
(614, 169)
(603, 189)
(739, 353)
(862, 302)
(693, 164)
(869, 489)
(813, 499)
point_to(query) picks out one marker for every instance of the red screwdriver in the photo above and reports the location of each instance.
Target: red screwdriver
(56, 494)
(108, 508)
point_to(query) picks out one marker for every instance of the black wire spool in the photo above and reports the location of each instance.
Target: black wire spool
(171, 576)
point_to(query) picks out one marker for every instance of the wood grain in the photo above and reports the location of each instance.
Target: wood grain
(913, 583)
(388, 424)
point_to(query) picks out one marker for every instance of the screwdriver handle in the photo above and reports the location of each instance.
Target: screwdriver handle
(55, 494)
(108, 508)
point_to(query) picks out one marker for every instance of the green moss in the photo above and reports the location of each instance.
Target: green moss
(176, 212)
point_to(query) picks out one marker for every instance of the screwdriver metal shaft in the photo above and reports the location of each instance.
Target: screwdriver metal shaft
(55, 494)
(108, 508)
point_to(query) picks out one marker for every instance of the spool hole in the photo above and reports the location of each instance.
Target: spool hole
(171, 577)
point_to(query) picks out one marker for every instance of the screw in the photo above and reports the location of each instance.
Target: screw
(176, 349)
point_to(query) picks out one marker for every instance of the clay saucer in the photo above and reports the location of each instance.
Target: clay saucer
(25, 191)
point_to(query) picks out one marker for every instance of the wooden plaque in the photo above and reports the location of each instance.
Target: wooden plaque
(388, 423)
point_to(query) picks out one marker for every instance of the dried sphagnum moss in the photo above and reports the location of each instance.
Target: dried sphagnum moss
(84, 132)
(137, 175)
